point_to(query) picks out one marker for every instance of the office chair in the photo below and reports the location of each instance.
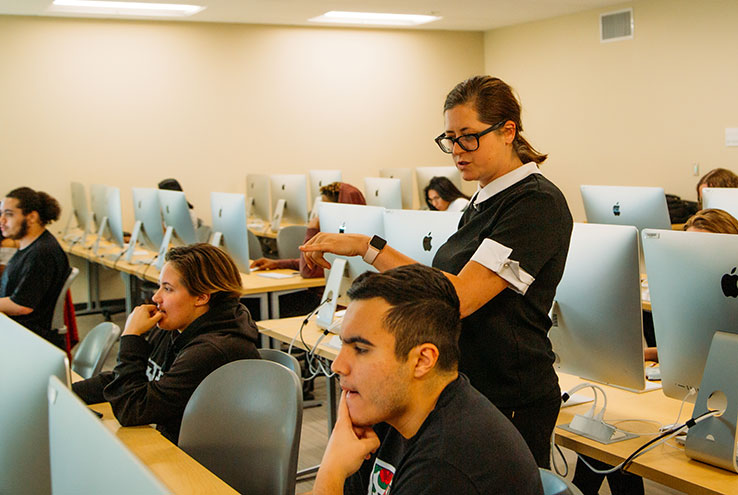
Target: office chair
(287, 360)
(553, 484)
(243, 423)
(288, 241)
(57, 319)
(94, 349)
(255, 251)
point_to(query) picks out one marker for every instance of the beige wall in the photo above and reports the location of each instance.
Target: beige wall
(129, 103)
(638, 112)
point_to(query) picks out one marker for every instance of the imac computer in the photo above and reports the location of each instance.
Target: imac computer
(289, 199)
(176, 213)
(721, 198)
(642, 207)
(406, 180)
(419, 233)
(147, 212)
(229, 227)
(115, 217)
(350, 219)
(384, 192)
(98, 203)
(320, 178)
(692, 280)
(425, 174)
(257, 193)
(80, 210)
(597, 330)
(86, 457)
(26, 363)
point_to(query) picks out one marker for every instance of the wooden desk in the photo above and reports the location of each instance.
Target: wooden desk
(666, 464)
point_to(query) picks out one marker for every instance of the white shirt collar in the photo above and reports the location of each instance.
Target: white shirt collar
(501, 183)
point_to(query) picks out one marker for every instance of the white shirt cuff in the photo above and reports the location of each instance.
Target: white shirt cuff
(494, 256)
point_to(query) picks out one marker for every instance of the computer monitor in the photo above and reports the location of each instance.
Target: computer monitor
(147, 210)
(350, 219)
(86, 457)
(642, 207)
(229, 227)
(292, 189)
(597, 330)
(98, 203)
(114, 232)
(257, 192)
(692, 281)
(406, 180)
(425, 174)
(320, 178)
(382, 191)
(176, 213)
(419, 233)
(80, 210)
(26, 363)
(722, 198)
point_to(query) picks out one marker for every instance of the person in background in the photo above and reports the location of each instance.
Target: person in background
(505, 260)
(441, 194)
(34, 276)
(336, 192)
(719, 177)
(195, 326)
(408, 421)
(712, 220)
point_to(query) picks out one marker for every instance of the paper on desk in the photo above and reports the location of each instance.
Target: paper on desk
(276, 275)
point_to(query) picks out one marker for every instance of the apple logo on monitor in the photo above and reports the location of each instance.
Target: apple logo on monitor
(729, 284)
(427, 243)
(616, 209)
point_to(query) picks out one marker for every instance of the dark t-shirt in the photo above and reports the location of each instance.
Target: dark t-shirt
(33, 278)
(465, 446)
(505, 350)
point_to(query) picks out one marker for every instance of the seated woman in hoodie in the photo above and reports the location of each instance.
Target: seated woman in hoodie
(195, 325)
(335, 192)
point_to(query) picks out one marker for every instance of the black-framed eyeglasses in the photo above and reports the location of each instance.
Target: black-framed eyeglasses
(467, 142)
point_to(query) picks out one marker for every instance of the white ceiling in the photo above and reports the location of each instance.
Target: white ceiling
(463, 15)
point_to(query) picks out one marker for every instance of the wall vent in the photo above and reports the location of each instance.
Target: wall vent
(616, 26)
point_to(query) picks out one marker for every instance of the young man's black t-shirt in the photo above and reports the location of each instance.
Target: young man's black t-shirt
(33, 278)
(465, 446)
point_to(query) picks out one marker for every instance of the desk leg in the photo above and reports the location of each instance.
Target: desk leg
(274, 303)
(130, 285)
(93, 290)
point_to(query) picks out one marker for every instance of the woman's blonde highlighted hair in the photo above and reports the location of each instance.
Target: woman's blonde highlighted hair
(206, 269)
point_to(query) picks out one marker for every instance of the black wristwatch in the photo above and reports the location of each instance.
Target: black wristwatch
(375, 246)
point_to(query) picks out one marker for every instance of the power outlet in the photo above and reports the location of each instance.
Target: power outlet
(696, 169)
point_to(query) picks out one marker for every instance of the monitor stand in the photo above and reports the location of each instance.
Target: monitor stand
(164, 247)
(278, 212)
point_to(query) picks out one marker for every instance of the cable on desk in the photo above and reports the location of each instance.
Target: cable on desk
(321, 367)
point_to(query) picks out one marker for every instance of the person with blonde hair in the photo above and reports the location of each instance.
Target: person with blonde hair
(195, 326)
(712, 220)
(718, 177)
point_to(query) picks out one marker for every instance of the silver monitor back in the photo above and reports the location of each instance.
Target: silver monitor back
(406, 179)
(176, 213)
(147, 210)
(693, 284)
(292, 188)
(85, 456)
(419, 233)
(79, 206)
(425, 174)
(642, 207)
(384, 192)
(229, 220)
(722, 198)
(98, 203)
(257, 192)
(597, 330)
(26, 363)
(115, 216)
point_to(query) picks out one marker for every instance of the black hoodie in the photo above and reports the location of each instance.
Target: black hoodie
(157, 373)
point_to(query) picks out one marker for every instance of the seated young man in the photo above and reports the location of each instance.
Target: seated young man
(33, 277)
(195, 326)
(408, 422)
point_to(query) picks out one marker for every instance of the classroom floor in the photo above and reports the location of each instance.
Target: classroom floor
(314, 426)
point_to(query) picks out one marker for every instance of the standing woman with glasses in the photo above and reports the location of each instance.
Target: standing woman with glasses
(505, 260)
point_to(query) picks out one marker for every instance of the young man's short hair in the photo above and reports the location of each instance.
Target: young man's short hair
(424, 309)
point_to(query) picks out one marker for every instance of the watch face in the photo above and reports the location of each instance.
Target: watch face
(377, 242)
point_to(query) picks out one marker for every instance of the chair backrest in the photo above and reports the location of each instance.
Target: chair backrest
(288, 241)
(255, 251)
(553, 484)
(94, 349)
(287, 360)
(57, 319)
(243, 423)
